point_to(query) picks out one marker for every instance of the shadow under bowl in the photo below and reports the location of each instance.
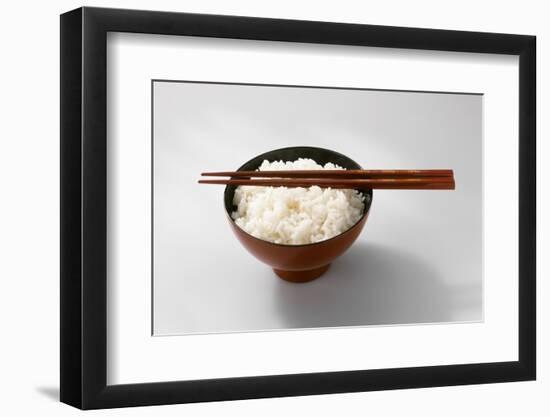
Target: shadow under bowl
(298, 263)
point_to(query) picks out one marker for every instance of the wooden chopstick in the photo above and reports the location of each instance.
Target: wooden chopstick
(433, 183)
(339, 173)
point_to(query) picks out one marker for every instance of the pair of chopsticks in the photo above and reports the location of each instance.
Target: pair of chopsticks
(384, 179)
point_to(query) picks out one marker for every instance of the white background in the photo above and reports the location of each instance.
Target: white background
(29, 172)
(417, 261)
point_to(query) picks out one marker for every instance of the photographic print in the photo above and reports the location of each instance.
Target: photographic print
(396, 240)
(310, 196)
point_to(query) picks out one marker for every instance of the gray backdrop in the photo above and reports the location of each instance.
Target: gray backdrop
(418, 260)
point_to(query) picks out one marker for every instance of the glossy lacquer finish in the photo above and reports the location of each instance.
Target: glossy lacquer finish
(298, 263)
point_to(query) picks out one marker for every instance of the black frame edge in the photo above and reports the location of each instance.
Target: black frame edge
(70, 216)
(304, 31)
(527, 268)
(83, 208)
(231, 389)
(94, 208)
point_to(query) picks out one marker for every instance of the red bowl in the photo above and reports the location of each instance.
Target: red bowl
(298, 263)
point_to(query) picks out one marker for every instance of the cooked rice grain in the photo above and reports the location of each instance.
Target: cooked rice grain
(296, 216)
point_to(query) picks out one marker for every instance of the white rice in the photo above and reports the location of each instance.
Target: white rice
(296, 216)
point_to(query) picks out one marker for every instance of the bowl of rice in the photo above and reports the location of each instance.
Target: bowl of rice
(297, 231)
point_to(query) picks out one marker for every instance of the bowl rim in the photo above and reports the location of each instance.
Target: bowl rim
(366, 208)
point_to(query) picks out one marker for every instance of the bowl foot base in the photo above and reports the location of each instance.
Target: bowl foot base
(301, 276)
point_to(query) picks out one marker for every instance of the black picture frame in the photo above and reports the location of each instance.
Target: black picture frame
(83, 207)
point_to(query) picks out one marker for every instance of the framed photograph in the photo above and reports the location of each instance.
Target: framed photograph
(257, 208)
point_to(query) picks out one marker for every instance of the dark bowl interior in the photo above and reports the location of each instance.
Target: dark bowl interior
(320, 155)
